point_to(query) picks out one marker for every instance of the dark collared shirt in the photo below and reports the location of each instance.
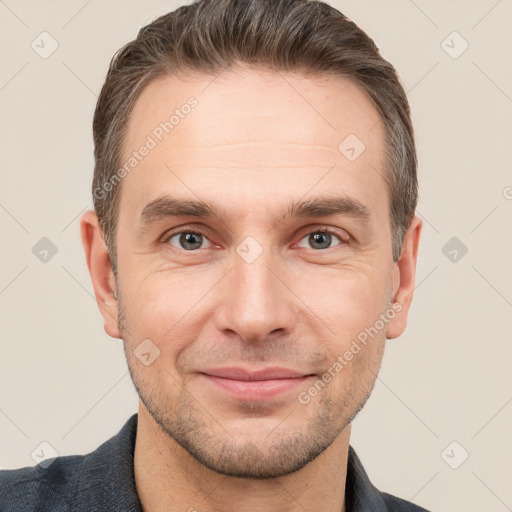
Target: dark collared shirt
(104, 481)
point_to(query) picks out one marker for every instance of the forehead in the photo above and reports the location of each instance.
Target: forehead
(327, 108)
(257, 128)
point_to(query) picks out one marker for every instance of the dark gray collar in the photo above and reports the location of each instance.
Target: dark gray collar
(107, 480)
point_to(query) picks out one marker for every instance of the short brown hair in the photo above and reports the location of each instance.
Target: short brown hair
(207, 36)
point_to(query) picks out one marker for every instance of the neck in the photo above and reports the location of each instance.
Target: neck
(168, 478)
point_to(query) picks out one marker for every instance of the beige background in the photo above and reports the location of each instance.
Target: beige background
(448, 378)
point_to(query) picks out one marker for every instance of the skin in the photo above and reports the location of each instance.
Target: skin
(256, 142)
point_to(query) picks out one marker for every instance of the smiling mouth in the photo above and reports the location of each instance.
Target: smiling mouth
(254, 384)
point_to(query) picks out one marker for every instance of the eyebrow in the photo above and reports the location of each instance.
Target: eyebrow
(167, 207)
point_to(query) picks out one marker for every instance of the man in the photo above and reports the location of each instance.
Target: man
(254, 244)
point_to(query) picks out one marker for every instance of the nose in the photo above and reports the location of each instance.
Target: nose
(257, 303)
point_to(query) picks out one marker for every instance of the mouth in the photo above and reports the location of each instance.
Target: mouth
(248, 384)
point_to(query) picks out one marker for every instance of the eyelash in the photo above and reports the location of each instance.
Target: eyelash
(343, 240)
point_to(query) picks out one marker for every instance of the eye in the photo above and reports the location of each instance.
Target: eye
(187, 240)
(322, 239)
(191, 241)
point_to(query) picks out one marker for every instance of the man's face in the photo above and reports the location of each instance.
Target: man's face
(257, 290)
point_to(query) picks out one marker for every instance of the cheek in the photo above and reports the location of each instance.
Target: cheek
(347, 299)
(163, 307)
(352, 304)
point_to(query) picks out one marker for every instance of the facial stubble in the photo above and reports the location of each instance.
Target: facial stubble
(190, 423)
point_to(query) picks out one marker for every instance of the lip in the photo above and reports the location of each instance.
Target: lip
(248, 384)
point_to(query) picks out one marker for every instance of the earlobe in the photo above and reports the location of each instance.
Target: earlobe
(100, 269)
(404, 278)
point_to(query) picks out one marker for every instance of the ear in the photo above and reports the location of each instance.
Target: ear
(404, 275)
(100, 269)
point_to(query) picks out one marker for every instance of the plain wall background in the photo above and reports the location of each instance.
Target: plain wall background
(448, 378)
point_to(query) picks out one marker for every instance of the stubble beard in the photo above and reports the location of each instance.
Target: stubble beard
(283, 451)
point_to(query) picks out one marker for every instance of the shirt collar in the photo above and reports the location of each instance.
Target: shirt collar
(107, 479)
(360, 494)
